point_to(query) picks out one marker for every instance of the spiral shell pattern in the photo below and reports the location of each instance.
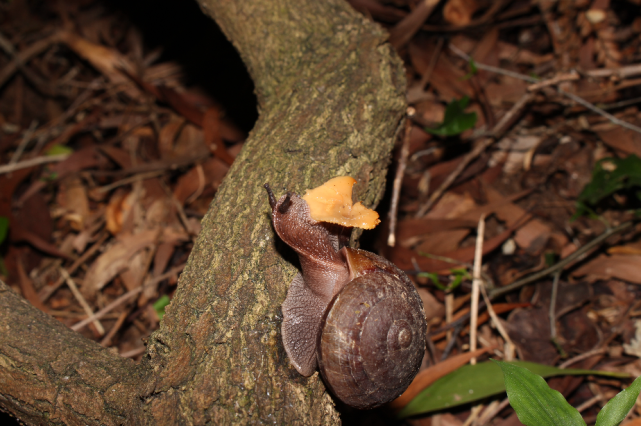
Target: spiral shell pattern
(372, 340)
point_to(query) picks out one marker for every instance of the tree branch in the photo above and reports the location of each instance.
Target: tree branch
(332, 96)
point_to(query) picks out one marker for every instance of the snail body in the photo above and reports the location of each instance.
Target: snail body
(349, 312)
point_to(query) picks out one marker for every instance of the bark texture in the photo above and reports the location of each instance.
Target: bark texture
(331, 97)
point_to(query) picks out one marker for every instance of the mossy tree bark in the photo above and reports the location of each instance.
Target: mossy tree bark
(331, 98)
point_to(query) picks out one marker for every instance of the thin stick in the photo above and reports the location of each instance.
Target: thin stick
(495, 318)
(26, 137)
(125, 297)
(46, 292)
(20, 59)
(398, 180)
(621, 72)
(133, 353)
(8, 168)
(201, 185)
(433, 60)
(474, 414)
(449, 312)
(496, 292)
(559, 78)
(476, 284)
(490, 68)
(128, 180)
(552, 312)
(455, 174)
(583, 356)
(496, 133)
(494, 411)
(572, 96)
(106, 341)
(590, 402)
(599, 111)
(85, 306)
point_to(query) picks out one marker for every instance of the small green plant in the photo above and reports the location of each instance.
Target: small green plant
(477, 382)
(472, 72)
(538, 405)
(456, 274)
(4, 228)
(160, 304)
(610, 176)
(456, 120)
(59, 150)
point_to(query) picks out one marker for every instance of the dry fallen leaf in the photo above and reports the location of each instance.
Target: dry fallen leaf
(623, 267)
(634, 348)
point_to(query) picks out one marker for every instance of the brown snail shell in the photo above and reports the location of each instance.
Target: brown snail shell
(372, 340)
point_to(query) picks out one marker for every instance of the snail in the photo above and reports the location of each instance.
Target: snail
(351, 313)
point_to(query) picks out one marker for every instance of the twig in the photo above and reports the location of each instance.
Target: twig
(19, 61)
(8, 168)
(476, 284)
(559, 78)
(496, 133)
(106, 341)
(457, 327)
(572, 96)
(494, 293)
(485, 418)
(590, 402)
(621, 72)
(85, 306)
(490, 68)
(172, 164)
(201, 185)
(403, 31)
(46, 292)
(478, 149)
(179, 209)
(552, 312)
(449, 312)
(26, 138)
(133, 353)
(508, 118)
(128, 180)
(583, 356)
(495, 318)
(125, 297)
(398, 180)
(474, 414)
(425, 78)
(599, 111)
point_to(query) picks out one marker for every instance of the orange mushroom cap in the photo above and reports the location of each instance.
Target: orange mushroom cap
(332, 202)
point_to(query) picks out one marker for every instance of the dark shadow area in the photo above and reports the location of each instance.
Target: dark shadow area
(8, 420)
(194, 40)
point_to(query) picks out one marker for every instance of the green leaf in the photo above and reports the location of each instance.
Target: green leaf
(533, 400)
(159, 305)
(474, 382)
(456, 120)
(618, 407)
(609, 176)
(472, 72)
(4, 228)
(59, 149)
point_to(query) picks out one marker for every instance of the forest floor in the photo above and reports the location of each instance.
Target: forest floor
(116, 130)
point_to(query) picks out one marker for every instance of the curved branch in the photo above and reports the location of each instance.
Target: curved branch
(50, 372)
(331, 95)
